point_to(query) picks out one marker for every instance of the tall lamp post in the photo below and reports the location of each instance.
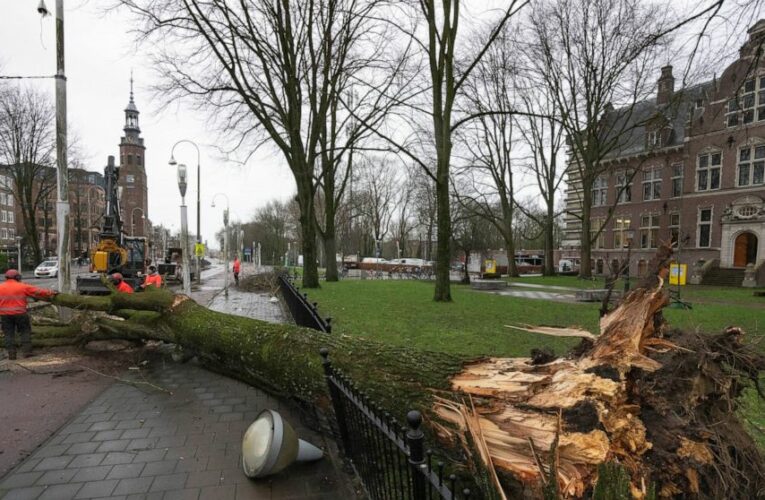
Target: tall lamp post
(628, 237)
(18, 248)
(199, 210)
(182, 185)
(225, 242)
(132, 219)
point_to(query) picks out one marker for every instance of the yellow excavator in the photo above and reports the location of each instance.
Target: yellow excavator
(115, 252)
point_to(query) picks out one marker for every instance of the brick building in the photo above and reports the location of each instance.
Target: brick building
(692, 172)
(7, 213)
(134, 201)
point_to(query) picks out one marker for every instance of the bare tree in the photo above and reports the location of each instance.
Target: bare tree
(267, 69)
(27, 145)
(447, 64)
(594, 55)
(378, 188)
(404, 223)
(488, 139)
(541, 132)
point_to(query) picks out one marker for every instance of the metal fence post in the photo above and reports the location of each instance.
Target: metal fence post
(337, 404)
(416, 442)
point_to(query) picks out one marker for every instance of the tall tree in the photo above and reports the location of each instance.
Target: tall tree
(378, 186)
(447, 64)
(27, 145)
(266, 69)
(593, 55)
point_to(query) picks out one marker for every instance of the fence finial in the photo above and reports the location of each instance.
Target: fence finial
(415, 419)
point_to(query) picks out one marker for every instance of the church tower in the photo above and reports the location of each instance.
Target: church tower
(134, 202)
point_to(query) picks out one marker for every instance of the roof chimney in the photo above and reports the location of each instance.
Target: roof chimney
(666, 86)
(756, 35)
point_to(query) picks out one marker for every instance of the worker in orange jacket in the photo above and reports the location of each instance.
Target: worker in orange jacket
(13, 311)
(120, 284)
(237, 269)
(153, 278)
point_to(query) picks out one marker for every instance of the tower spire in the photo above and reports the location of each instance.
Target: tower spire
(131, 84)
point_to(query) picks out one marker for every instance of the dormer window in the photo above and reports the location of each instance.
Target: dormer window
(749, 105)
(654, 138)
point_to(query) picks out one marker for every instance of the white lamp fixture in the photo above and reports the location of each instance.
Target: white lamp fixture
(270, 445)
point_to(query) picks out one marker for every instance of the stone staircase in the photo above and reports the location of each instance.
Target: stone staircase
(720, 276)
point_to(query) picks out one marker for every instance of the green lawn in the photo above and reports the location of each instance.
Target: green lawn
(403, 313)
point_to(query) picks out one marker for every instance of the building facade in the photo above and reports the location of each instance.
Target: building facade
(8, 231)
(134, 200)
(692, 174)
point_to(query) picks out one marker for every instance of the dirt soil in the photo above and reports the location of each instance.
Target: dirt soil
(40, 394)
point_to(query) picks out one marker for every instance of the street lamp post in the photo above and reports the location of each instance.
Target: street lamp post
(132, 219)
(199, 189)
(628, 236)
(225, 242)
(18, 248)
(182, 185)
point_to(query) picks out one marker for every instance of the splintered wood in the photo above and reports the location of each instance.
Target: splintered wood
(516, 413)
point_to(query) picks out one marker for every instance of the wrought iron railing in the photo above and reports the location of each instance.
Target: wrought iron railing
(303, 312)
(390, 459)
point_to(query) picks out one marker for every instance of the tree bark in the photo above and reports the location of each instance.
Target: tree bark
(442, 291)
(549, 267)
(661, 402)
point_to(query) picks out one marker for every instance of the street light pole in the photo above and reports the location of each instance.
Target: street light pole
(225, 243)
(62, 203)
(199, 206)
(18, 243)
(182, 184)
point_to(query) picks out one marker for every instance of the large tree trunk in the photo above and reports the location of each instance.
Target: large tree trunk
(308, 231)
(585, 244)
(443, 292)
(660, 402)
(549, 267)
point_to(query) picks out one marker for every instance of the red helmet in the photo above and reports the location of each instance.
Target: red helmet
(12, 274)
(117, 277)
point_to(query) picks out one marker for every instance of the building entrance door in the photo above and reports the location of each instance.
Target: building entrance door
(745, 250)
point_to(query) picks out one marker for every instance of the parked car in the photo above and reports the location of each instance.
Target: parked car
(47, 269)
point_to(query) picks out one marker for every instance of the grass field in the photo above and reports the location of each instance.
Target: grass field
(403, 313)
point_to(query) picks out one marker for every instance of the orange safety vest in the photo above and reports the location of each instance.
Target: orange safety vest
(153, 279)
(124, 287)
(13, 296)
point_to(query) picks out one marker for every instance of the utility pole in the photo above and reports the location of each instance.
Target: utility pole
(62, 202)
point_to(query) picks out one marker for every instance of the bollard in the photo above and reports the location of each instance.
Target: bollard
(416, 441)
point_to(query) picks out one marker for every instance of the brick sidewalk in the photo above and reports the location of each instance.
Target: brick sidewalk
(137, 442)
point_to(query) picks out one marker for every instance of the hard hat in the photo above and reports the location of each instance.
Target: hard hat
(12, 274)
(117, 277)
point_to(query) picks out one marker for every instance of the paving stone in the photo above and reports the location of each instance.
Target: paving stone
(150, 455)
(87, 460)
(217, 492)
(56, 477)
(81, 448)
(24, 493)
(20, 480)
(113, 445)
(51, 451)
(109, 435)
(60, 492)
(133, 486)
(97, 489)
(125, 471)
(159, 468)
(157, 495)
(135, 433)
(92, 474)
(169, 482)
(205, 478)
(52, 463)
(187, 494)
(118, 457)
(79, 437)
(103, 426)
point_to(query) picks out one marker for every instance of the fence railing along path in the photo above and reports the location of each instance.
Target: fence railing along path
(304, 313)
(390, 459)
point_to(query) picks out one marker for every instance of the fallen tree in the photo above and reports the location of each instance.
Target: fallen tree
(661, 403)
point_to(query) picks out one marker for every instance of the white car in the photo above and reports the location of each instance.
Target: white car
(47, 269)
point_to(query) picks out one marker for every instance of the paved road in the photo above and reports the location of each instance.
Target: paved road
(29, 277)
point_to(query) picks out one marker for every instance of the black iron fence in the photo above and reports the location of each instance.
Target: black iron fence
(303, 312)
(390, 459)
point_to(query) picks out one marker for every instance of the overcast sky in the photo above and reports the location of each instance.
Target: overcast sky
(100, 53)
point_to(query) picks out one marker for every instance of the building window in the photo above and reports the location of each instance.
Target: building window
(649, 231)
(11, 217)
(674, 228)
(749, 105)
(624, 187)
(12, 234)
(708, 171)
(596, 226)
(677, 180)
(705, 228)
(652, 184)
(654, 139)
(4, 233)
(621, 226)
(130, 160)
(751, 166)
(130, 179)
(599, 191)
(138, 160)
(3, 216)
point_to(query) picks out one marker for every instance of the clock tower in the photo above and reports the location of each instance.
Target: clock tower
(134, 201)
